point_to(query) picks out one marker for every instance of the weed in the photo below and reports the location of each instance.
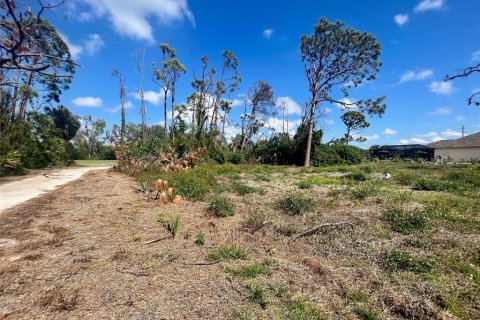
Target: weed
(144, 187)
(261, 177)
(357, 296)
(305, 184)
(367, 169)
(255, 219)
(228, 252)
(251, 270)
(296, 204)
(222, 207)
(148, 265)
(171, 223)
(367, 313)
(244, 189)
(200, 240)
(406, 222)
(298, 308)
(257, 294)
(357, 176)
(402, 261)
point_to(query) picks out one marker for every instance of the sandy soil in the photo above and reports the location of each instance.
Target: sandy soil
(16, 191)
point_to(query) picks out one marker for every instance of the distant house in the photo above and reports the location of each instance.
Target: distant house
(404, 151)
(462, 149)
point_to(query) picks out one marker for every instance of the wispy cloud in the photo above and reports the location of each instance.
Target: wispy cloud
(90, 46)
(87, 102)
(440, 112)
(390, 132)
(441, 87)
(128, 105)
(290, 105)
(150, 96)
(427, 5)
(476, 56)
(411, 75)
(131, 17)
(401, 19)
(267, 33)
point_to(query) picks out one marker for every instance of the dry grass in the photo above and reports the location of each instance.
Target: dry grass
(81, 252)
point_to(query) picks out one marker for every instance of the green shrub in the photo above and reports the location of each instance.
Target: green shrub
(255, 219)
(357, 176)
(296, 204)
(406, 222)
(222, 207)
(402, 261)
(305, 184)
(228, 252)
(236, 157)
(368, 169)
(216, 155)
(328, 155)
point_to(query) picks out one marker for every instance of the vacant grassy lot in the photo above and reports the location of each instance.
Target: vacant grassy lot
(251, 242)
(95, 163)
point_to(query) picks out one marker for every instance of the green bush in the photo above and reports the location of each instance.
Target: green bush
(236, 157)
(296, 204)
(406, 222)
(222, 207)
(216, 155)
(336, 154)
(357, 176)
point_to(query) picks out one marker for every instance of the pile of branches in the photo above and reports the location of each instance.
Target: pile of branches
(168, 160)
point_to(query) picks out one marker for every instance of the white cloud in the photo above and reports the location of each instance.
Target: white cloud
(277, 124)
(460, 118)
(128, 105)
(236, 103)
(441, 87)
(93, 44)
(74, 49)
(401, 19)
(411, 75)
(440, 112)
(371, 138)
(451, 134)
(426, 5)
(327, 110)
(430, 134)
(88, 102)
(90, 46)
(290, 105)
(150, 96)
(476, 55)
(418, 140)
(389, 132)
(131, 17)
(329, 122)
(267, 33)
(404, 141)
(231, 131)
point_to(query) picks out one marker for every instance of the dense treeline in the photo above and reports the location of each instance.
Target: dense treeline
(36, 67)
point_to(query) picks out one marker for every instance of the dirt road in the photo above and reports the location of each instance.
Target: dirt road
(16, 192)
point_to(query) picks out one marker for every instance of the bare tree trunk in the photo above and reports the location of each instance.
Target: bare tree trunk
(24, 100)
(311, 124)
(165, 91)
(173, 111)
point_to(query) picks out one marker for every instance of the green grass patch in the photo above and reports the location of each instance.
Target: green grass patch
(228, 252)
(222, 207)
(257, 294)
(243, 189)
(367, 314)
(250, 271)
(318, 180)
(296, 204)
(402, 261)
(299, 308)
(406, 222)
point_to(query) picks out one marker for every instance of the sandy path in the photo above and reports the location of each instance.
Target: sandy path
(16, 192)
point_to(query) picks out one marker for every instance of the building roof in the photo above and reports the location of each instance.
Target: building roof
(472, 140)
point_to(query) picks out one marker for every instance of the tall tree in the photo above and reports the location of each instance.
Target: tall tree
(139, 57)
(121, 82)
(174, 69)
(464, 74)
(338, 56)
(354, 121)
(258, 103)
(67, 123)
(162, 78)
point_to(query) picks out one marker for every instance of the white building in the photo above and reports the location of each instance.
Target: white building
(462, 149)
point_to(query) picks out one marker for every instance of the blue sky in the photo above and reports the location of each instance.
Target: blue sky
(422, 41)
